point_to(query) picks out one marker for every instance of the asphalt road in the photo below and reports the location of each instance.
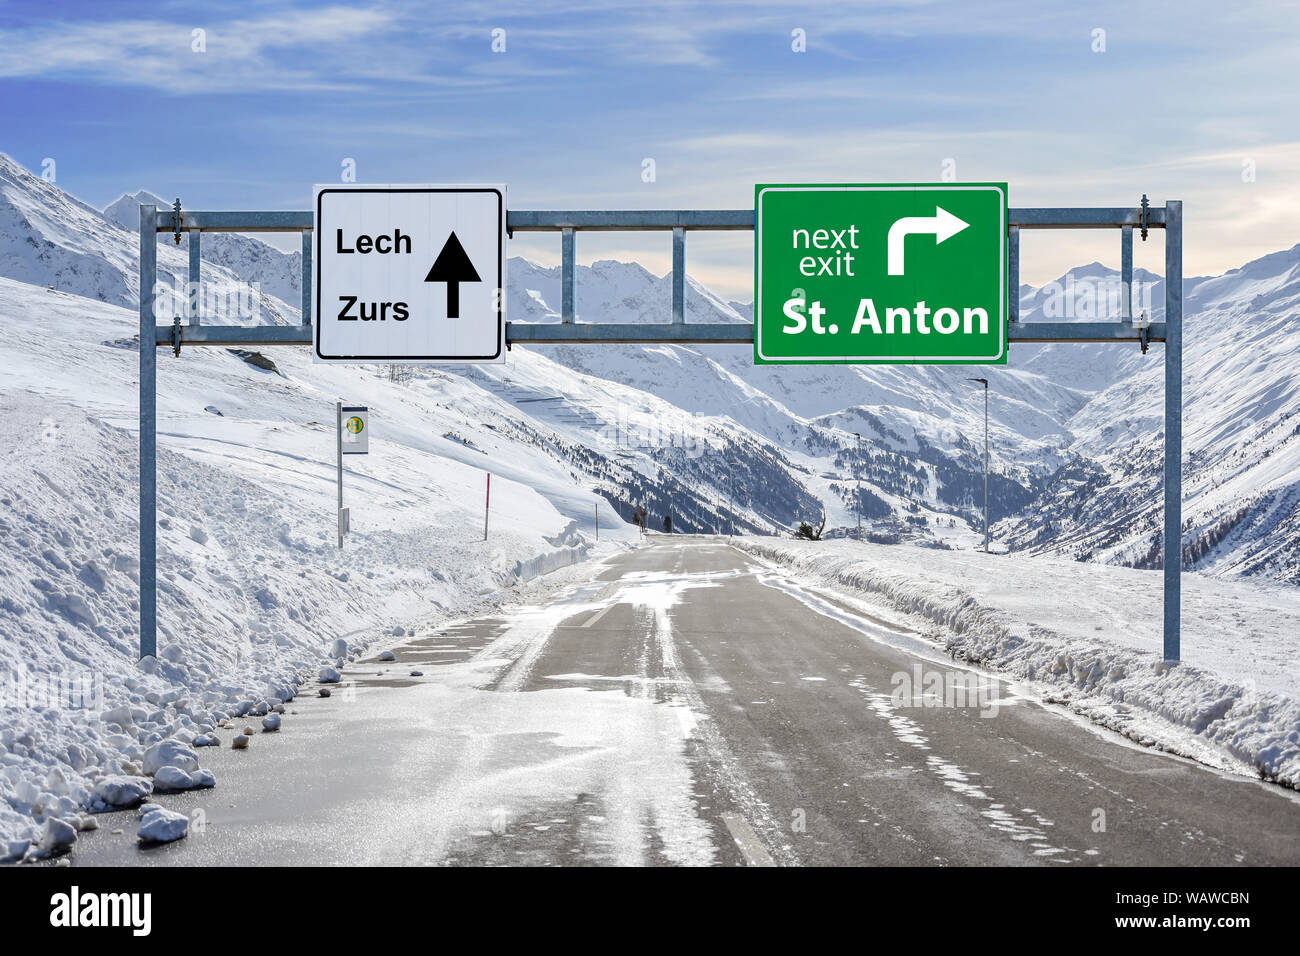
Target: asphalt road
(690, 705)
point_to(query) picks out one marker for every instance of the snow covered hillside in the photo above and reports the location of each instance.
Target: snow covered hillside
(1241, 482)
(1075, 429)
(51, 239)
(705, 435)
(252, 260)
(922, 429)
(252, 590)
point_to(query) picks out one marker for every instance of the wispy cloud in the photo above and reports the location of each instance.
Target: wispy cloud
(714, 93)
(377, 49)
(240, 54)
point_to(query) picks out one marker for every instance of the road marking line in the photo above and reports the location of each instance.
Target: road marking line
(598, 615)
(751, 847)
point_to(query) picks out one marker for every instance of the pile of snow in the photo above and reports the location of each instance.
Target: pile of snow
(254, 596)
(158, 825)
(1091, 636)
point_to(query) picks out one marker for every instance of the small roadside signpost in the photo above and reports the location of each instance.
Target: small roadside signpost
(356, 430)
(885, 274)
(353, 438)
(409, 274)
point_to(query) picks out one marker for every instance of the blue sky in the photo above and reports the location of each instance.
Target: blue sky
(1184, 100)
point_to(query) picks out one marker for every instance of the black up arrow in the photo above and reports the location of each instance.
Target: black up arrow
(452, 267)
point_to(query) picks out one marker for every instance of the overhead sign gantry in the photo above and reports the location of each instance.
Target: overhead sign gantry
(908, 237)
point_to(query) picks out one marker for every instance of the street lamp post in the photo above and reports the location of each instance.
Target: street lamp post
(985, 383)
(731, 498)
(730, 520)
(857, 474)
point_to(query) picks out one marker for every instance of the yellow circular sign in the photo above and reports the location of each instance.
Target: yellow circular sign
(355, 424)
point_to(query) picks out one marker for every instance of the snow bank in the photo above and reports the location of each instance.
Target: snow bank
(253, 595)
(1090, 633)
(248, 610)
(567, 548)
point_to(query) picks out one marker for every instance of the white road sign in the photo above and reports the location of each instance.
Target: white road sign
(410, 274)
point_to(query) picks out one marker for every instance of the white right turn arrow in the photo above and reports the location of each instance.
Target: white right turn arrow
(942, 225)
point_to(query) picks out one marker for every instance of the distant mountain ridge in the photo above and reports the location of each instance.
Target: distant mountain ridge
(49, 238)
(1075, 429)
(278, 273)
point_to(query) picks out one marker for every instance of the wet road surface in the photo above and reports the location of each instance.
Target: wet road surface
(692, 705)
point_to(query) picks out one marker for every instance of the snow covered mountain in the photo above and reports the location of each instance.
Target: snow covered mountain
(705, 435)
(51, 239)
(1076, 429)
(275, 272)
(1241, 433)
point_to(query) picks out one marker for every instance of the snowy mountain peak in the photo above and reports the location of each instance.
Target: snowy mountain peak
(125, 210)
(49, 238)
(22, 190)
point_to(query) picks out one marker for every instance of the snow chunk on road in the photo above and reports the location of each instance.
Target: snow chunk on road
(171, 753)
(173, 778)
(58, 837)
(121, 792)
(162, 826)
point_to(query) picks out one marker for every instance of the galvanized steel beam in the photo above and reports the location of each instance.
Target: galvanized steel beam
(148, 436)
(152, 336)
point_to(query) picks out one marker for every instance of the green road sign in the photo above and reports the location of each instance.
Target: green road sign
(893, 273)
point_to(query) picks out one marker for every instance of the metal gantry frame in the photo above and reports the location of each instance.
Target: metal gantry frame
(677, 330)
